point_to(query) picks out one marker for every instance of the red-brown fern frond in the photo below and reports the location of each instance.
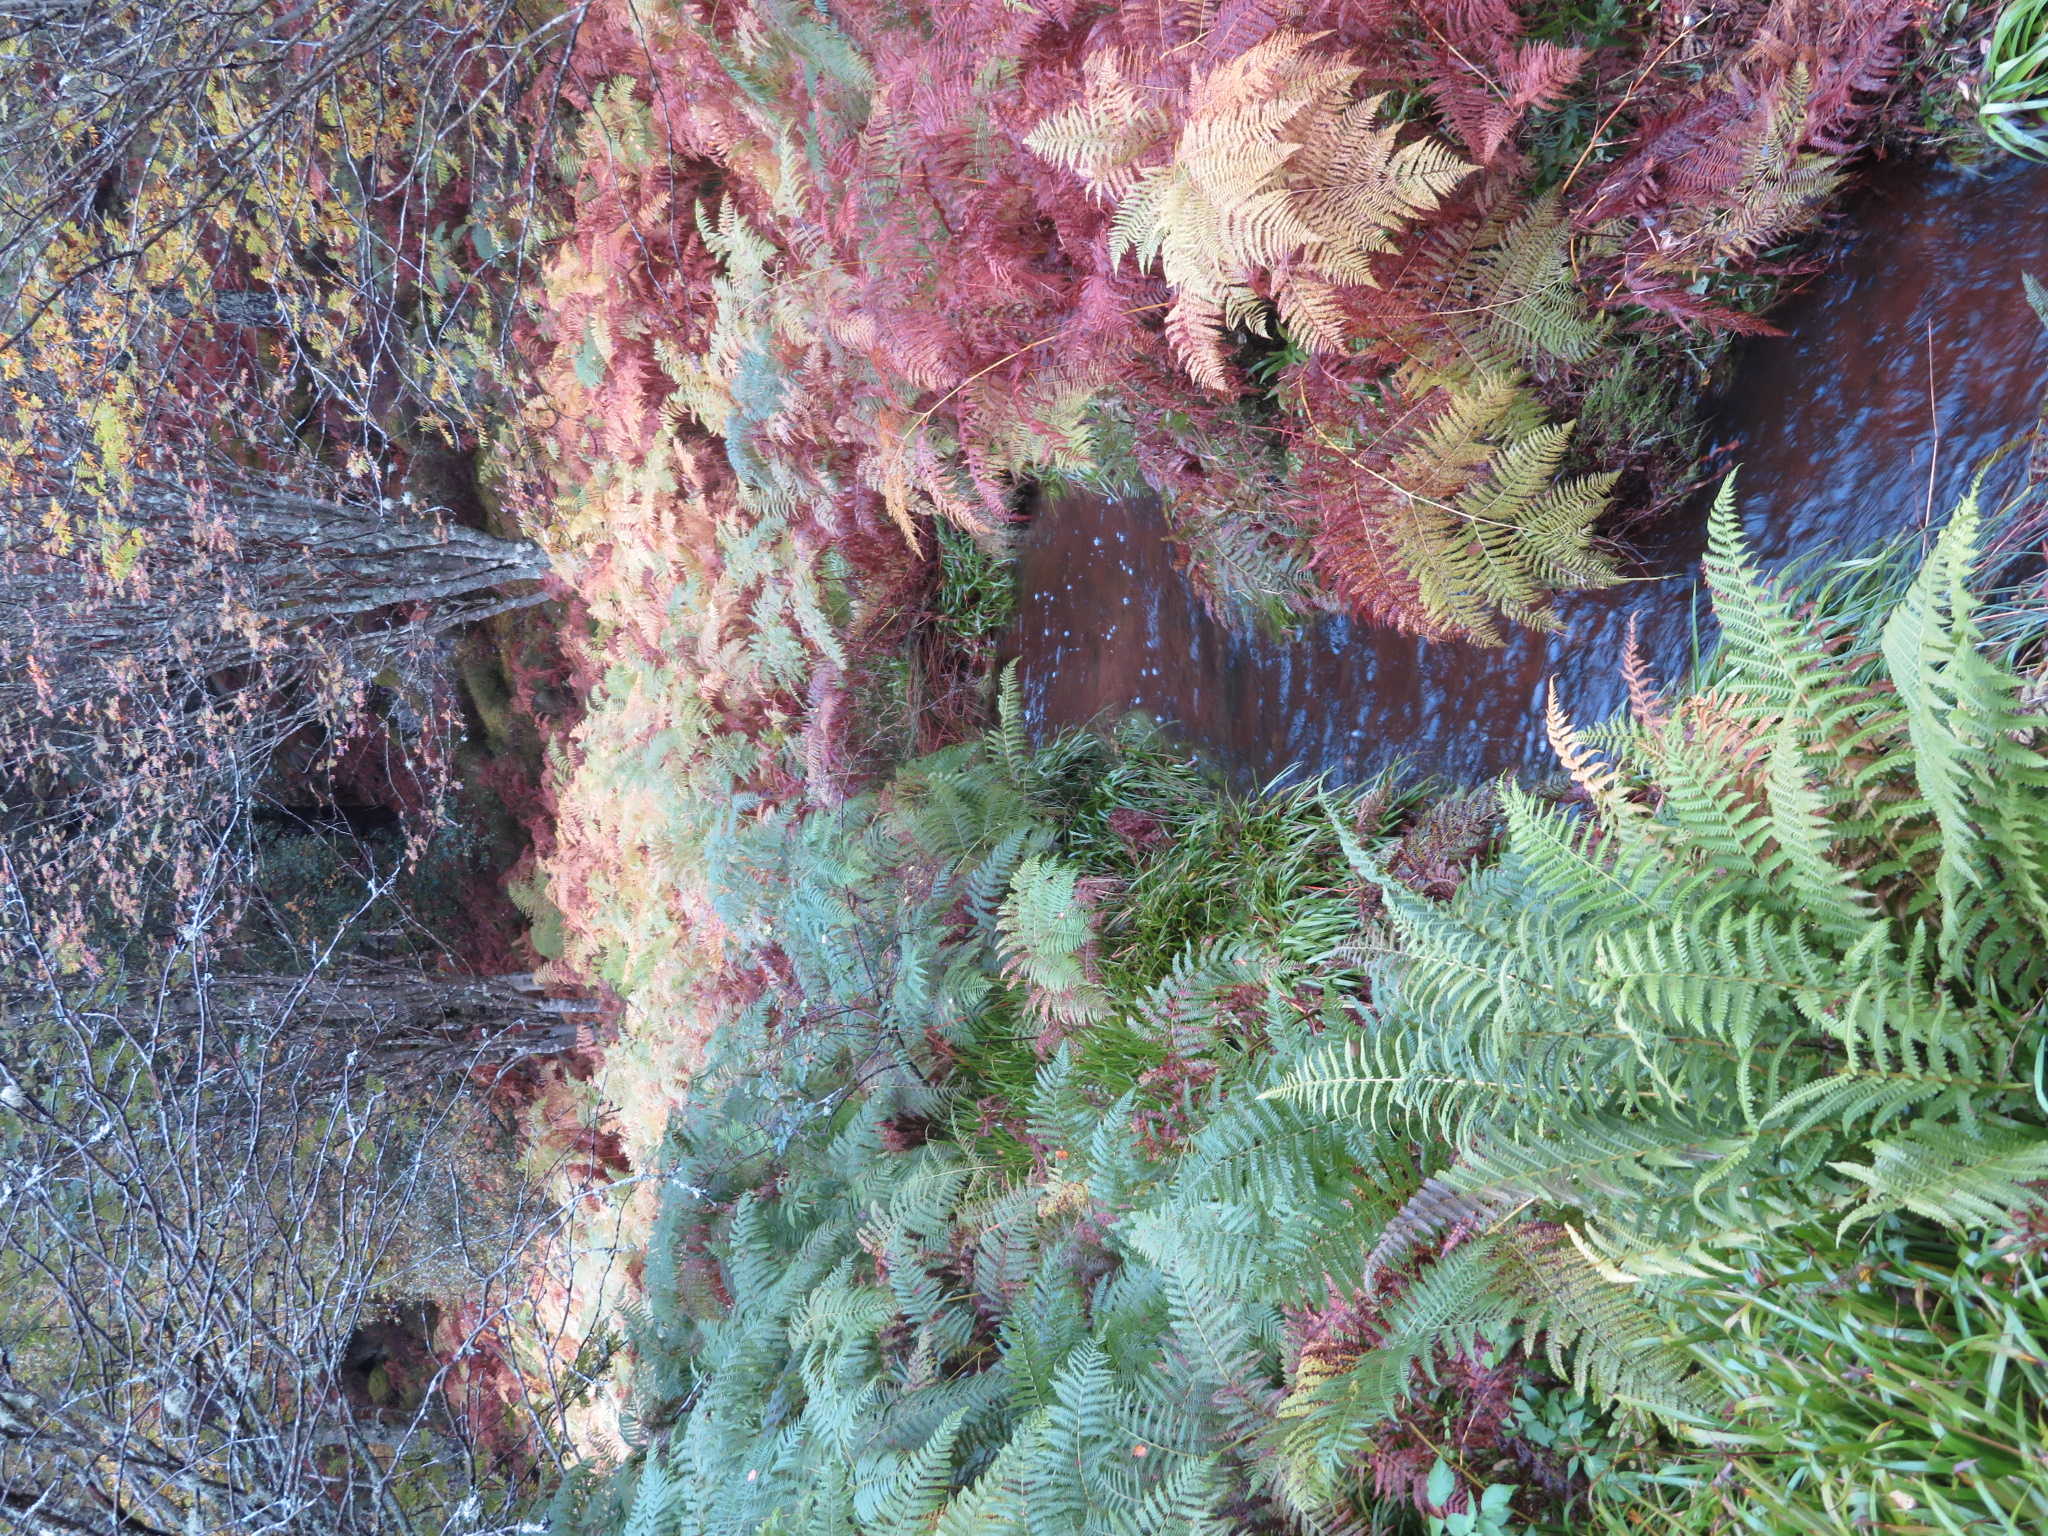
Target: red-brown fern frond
(1645, 702)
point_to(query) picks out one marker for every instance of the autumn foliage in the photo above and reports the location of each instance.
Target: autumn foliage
(261, 257)
(1337, 282)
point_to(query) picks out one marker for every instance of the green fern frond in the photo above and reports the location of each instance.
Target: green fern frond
(657, 1496)
(897, 1495)
(1596, 1333)
(1953, 1175)
(1014, 741)
(1329, 1424)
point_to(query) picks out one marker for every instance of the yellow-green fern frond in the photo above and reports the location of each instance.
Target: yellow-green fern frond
(1779, 188)
(1483, 523)
(1356, 185)
(1517, 304)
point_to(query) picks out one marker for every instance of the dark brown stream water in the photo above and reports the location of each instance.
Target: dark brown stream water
(1916, 353)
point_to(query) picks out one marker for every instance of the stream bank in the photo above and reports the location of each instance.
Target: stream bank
(1904, 367)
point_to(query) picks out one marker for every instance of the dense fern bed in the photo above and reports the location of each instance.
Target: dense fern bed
(1654, 1149)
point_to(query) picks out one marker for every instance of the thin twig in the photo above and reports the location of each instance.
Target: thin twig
(1934, 425)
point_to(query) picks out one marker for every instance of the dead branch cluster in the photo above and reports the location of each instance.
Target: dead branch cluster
(212, 1189)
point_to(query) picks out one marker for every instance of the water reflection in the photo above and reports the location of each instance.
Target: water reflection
(1904, 368)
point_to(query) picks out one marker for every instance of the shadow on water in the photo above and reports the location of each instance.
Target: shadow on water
(1904, 367)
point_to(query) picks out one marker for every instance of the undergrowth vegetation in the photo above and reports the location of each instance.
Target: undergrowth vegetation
(2015, 55)
(1386, 303)
(1047, 1140)
(1086, 1149)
